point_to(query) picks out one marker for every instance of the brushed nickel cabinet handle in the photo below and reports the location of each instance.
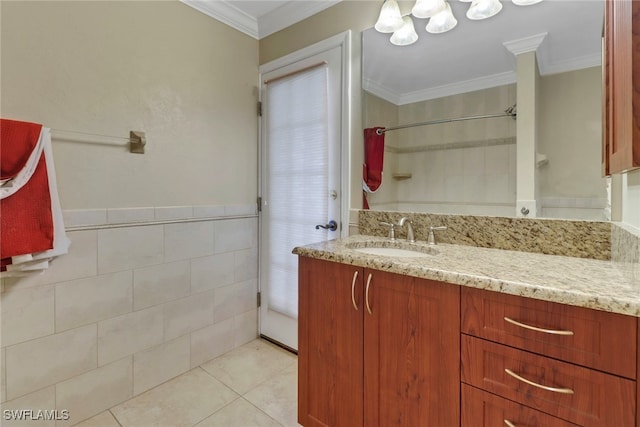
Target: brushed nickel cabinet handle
(544, 387)
(353, 285)
(366, 298)
(509, 423)
(533, 328)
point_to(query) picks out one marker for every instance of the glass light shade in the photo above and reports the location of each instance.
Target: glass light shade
(483, 9)
(406, 34)
(427, 8)
(443, 21)
(525, 2)
(390, 19)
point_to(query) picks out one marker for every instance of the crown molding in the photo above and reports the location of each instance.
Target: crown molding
(381, 91)
(525, 44)
(479, 83)
(571, 64)
(536, 44)
(290, 13)
(267, 24)
(224, 12)
(471, 85)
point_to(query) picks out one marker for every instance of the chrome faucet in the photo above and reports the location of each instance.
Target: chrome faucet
(410, 237)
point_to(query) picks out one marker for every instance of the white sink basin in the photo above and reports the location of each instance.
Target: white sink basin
(395, 252)
(398, 249)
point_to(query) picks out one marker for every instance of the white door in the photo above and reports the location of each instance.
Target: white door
(301, 189)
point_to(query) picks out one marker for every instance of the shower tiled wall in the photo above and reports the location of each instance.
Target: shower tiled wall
(476, 179)
(462, 180)
(465, 167)
(129, 307)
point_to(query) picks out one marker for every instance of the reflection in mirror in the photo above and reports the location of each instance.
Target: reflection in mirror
(471, 167)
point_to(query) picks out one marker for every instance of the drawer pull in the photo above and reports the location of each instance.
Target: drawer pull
(509, 423)
(366, 297)
(353, 285)
(533, 328)
(544, 387)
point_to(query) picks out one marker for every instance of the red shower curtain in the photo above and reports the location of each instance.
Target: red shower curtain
(373, 161)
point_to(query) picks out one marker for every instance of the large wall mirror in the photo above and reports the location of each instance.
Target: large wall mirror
(470, 167)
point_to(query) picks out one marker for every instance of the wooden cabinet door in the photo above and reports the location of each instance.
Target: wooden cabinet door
(411, 352)
(621, 103)
(330, 344)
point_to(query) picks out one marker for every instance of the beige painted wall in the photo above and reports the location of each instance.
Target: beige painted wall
(570, 133)
(109, 67)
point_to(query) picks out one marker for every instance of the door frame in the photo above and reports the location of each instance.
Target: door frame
(343, 41)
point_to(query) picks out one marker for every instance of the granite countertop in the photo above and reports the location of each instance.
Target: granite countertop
(601, 285)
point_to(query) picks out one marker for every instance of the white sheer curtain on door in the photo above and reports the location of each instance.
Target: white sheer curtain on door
(296, 108)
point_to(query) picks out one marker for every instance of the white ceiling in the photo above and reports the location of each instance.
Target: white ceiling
(474, 55)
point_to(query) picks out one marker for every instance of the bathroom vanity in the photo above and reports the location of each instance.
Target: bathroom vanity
(464, 336)
(376, 357)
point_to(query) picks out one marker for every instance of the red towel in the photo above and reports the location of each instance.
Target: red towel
(373, 162)
(18, 141)
(26, 221)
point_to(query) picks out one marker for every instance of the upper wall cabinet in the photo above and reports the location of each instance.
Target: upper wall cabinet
(621, 86)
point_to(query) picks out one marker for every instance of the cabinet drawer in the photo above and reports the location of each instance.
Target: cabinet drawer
(582, 396)
(482, 409)
(592, 338)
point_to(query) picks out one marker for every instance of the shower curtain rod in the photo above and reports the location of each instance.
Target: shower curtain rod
(509, 112)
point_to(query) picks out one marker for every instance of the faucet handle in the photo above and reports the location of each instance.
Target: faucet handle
(431, 240)
(392, 229)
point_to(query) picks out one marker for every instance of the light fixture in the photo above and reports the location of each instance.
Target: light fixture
(406, 34)
(483, 9)
(443, 21)
(525, 2)
(428, 8)
(390, 18)
(438, 12)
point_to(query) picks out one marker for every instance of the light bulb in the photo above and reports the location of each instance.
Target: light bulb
(443, 21)
(525, 2)
(483, 9)
(390, 19)
(427, 8)
(406, 35)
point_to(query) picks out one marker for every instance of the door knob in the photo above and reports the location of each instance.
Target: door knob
(331, 226)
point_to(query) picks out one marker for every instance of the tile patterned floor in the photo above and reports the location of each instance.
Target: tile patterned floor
(254, 385)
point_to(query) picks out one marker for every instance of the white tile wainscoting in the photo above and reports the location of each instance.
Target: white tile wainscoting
(144, 295)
